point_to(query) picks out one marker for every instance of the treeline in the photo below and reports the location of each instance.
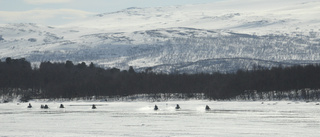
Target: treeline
(69, 80)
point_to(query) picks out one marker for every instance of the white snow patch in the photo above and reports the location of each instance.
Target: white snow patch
(133, 119)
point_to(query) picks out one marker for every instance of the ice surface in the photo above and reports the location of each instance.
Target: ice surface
(138, 119)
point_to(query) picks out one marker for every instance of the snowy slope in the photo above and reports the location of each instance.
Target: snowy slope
(244, 16)
(221, 36)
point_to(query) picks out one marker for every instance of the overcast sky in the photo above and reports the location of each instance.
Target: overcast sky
(57, 12)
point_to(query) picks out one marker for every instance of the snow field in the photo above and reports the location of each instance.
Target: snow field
(138, 119)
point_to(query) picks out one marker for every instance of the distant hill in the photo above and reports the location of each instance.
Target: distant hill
(222, 36)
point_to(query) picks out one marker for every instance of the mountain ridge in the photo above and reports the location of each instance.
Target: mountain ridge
(185, 38)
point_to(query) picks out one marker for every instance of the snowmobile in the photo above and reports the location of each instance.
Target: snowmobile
(29, 106)
(155, 107)
(94, 106)
(177, 107)
(207, 107)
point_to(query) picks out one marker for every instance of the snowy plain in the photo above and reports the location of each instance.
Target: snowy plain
(138, 119)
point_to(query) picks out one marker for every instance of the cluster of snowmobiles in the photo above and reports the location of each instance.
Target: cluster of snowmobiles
(94, 107)
(61, 106)
(178, 107)
(44, 106)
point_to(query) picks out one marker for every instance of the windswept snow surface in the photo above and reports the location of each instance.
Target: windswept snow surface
(221, 36)
(138, 119)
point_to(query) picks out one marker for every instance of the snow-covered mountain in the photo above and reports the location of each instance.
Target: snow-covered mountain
(221, 36)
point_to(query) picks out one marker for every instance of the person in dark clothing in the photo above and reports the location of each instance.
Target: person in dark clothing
(42, 106)
(156, 107)
(177, 107)
(46, 106)
(29, 106)
(207, 107)
(61, 106)
(94, 106)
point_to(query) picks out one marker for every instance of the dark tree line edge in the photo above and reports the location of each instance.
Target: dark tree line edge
(69, 80)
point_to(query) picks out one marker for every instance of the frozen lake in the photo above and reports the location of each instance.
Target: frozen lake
(138, 119)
